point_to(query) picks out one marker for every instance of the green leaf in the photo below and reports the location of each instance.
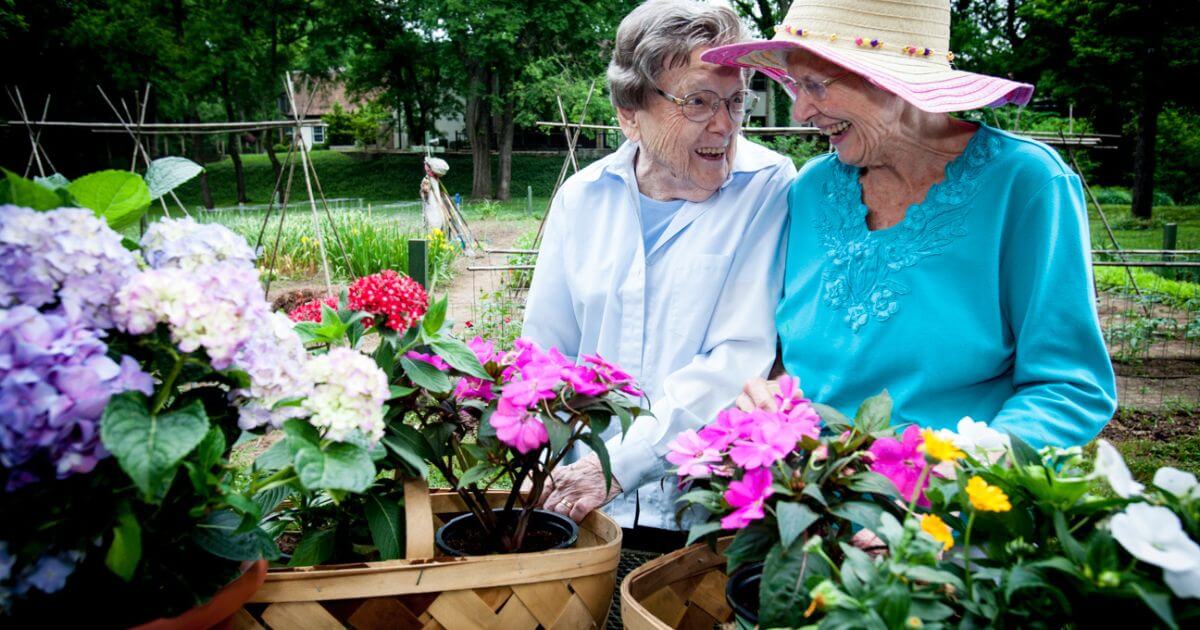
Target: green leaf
(217, 535)
(401, 448)
(300, 433)
(119, 197)
(413, 439)
(168, 173)
(782, 596)
(383, 519)
(1160, 603)
(811, 490)
(1021, 577)
(793, 519)
(211, 449)
(1023, 452)
(126, 549)
(709, 499)
(559, 432)
(18, 191)
(149, 448)
(425, 375)
(750, 544)
(316, 547)
(339, 466)
(278, 457)
(873, 482)
(875, 414)
(859, 512)
(52, 182)
(435, 317)
(460, 357)
(1071, 546)
(399, 391)
(269, 499)
(623, 415)
(476, 473)
(700, 530)
(598, 447)
(385, 358)
(931, 575)
(837, 422)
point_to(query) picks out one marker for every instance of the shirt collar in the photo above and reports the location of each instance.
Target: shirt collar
(750, 158)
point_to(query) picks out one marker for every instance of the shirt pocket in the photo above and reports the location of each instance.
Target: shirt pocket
(696, 283)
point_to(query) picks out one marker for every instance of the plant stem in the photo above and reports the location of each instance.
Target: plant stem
(912, 501)
(280, 478)
(168, 384)
(967, 554)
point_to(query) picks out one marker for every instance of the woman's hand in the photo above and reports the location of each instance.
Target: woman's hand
(759, 393)
(577, 489)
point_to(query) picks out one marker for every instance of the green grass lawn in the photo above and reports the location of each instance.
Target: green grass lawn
(1135, 233)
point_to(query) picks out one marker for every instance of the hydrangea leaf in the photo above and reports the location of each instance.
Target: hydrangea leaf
(168, 173)
(383, 519)
(217, 535)
(314, 548)
(338, 466)
(149, 447)
(119, 197)
(126, 549)
(18, 191)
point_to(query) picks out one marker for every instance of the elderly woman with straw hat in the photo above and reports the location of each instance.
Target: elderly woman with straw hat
(664, 257)
(945, 260)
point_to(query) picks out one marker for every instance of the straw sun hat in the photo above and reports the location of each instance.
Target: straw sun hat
(901, 46)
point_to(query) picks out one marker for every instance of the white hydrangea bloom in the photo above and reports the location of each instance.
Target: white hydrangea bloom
(188, 245)
(349, 392)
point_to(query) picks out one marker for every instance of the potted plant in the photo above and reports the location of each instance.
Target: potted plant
(481, 419)
(127, 373)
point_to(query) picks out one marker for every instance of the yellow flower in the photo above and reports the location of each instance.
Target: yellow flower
(985, 497)
(940, 448)
(933, 525)
(304, 240)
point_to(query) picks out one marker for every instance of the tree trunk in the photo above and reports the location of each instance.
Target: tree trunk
(205, 191)
(1147, 125)
(478, 123)
(506, 145)
(235, 142)
(269, 145)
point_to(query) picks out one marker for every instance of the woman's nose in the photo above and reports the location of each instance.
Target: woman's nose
(803, 107)
(722, 121)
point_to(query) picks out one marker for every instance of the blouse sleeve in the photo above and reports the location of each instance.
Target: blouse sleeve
(1065, 389)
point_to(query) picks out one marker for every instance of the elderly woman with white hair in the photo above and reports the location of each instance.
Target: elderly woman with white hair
(666, 256)
(945, 260)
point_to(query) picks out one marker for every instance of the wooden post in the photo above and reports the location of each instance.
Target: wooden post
(1170, 232)
(529, 201)
(418, 262)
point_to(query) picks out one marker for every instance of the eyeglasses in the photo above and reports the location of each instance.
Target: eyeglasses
(817, 90)
(702, 105)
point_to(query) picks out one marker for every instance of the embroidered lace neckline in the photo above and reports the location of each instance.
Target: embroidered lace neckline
(860, 277)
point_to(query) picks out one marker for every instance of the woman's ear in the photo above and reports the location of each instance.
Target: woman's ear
(627, 118)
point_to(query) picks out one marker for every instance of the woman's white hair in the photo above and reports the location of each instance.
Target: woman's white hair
(659, 35)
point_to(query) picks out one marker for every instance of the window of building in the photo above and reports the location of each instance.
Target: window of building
(318, 134)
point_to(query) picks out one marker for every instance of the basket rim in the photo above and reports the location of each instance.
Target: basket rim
(679, 564)
(409, 576)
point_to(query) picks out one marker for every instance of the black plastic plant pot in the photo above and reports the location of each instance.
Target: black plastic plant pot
(463, 535)
(741, 592)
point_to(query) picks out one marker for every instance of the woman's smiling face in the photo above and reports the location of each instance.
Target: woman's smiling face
(693, 158)
(857, 117)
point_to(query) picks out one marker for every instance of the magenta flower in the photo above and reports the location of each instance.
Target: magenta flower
(537, 383)
(584, 380)
(901, 461)
(749, 496)
(518, 428)
(730, 425)
(613, 375)
(692, 454)
(431, 359)
(484, 350)
(771, 438)
(469, 387)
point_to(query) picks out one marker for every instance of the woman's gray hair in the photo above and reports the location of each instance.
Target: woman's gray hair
(659, 35)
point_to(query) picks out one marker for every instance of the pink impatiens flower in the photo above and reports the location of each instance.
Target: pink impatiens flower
(902, 461)
(518, 428)
(484, 350)
(749, 496)
(692, 454)
(612, 375)
(537, 383)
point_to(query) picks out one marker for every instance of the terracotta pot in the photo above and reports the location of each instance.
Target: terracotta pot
(219, 611)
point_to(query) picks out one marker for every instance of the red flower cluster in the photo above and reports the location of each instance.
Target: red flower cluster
(311, 311)
(388, 293)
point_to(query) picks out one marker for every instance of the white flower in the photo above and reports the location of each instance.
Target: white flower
(977, 438)
(1111, 466)
(1153, 534)
(1184, 583)
(188, 245)
(1175, 481)
(348, 394)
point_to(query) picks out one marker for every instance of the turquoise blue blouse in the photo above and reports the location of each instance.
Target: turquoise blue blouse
(978, 303)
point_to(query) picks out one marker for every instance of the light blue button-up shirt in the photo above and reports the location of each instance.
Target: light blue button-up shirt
(692, 316)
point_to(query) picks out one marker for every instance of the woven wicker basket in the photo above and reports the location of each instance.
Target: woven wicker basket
(567, 588)
(683, 589)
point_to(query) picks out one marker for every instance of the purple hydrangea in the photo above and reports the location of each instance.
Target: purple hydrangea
(188, 245)
(55, 380)
(66, 256)
(274, 359)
